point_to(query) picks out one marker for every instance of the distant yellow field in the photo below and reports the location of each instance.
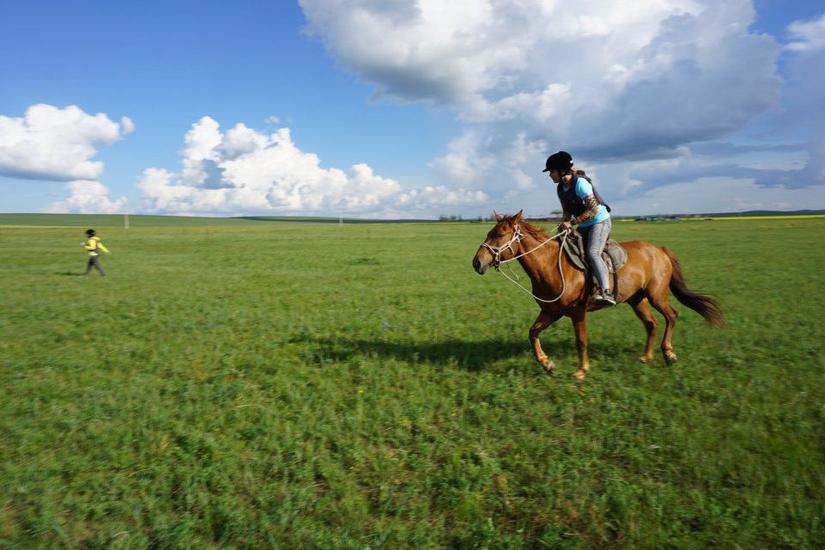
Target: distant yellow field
(788, 217)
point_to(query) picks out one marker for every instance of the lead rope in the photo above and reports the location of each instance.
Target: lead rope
(515, 281)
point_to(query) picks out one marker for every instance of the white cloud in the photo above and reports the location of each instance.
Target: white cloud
(629, 89)
(803, 107)
(807, 35)
(607, 78)
(50, 143)
(246, 171)
(88, 197)
(492, 163)
(464, 161)
(544, 106)
(429, 198)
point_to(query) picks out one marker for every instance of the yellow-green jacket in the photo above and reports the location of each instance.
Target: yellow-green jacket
(93, 246)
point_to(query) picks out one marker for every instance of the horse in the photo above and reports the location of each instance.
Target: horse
(560, 289)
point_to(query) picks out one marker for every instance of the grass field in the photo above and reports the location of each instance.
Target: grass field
(260, 384)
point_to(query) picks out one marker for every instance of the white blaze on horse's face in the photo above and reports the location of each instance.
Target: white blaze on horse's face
(501, 245)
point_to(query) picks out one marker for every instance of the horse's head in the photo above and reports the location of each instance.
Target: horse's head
(502, 243)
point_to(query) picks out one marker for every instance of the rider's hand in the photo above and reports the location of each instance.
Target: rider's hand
(564, 226)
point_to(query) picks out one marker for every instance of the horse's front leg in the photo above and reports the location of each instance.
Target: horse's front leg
(544, 320)
(580, 326)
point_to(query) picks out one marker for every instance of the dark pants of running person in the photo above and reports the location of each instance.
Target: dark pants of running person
(94, 262)
(595, 237)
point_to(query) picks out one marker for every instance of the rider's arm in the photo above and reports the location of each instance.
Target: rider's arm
(584, 190)
(592, 206)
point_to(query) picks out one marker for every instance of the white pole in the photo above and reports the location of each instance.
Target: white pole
(125, 221)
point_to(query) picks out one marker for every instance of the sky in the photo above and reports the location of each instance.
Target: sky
(409, 109)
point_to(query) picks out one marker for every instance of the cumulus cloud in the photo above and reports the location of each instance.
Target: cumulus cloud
(430, 197)
(632, 90)
(805, 98)
(465, 159)
(605, 79)
(244, 171)
(494, 162)
(53, 143)
(88, 197)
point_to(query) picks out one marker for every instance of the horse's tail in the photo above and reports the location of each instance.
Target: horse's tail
(704, 305)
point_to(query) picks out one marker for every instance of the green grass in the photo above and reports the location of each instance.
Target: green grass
(295, 385)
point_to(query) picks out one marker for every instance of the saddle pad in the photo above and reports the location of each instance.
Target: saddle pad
(614, 254)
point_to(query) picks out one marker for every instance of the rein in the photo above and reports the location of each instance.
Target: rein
(516, 238)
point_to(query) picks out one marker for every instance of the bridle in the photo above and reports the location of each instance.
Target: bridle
(516, 238)
(497, 250)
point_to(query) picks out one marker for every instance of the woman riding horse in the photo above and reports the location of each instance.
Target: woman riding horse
(582, 206)
(650, 274)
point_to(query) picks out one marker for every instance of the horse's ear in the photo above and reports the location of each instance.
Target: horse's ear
(517, 217)
(498, 216)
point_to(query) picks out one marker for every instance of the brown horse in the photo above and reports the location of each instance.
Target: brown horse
(643, 281)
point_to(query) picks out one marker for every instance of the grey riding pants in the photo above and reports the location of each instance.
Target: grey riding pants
(595, 237)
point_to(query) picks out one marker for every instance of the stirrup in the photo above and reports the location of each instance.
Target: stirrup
(603, 297)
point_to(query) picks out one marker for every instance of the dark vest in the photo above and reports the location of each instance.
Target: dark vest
(570, 202)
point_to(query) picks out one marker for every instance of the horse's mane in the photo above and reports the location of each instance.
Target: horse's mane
(526, 227)
(536, 232)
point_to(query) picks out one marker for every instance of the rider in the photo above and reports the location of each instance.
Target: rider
(583, 206)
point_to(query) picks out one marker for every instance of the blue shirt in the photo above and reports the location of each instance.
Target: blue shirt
(583, 189)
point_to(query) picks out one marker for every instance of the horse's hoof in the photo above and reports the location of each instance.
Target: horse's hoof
(579, 375)
(645, 359)
(549, 368)
(670, 358)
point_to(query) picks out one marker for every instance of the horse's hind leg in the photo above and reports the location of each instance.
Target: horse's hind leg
(543, 321)
(660, 301)
(641, 307)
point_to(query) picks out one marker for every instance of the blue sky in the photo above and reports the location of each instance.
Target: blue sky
(398, 109)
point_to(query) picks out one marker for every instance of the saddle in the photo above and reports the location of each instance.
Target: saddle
(614, 255)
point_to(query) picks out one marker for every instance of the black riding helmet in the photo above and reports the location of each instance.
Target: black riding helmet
(90, 232)
(561, 161)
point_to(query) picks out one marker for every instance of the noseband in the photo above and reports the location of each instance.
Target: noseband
(497, 250)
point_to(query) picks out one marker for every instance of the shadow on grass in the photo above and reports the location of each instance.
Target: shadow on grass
(69, 274)
(467, 355)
